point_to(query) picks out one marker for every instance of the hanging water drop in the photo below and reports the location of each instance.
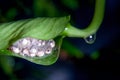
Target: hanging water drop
(90, 39)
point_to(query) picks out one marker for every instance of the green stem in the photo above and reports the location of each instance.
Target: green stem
(71, 31)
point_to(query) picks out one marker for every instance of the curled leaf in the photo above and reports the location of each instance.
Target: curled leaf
(38, 28)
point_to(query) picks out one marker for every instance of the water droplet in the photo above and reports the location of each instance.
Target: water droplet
(90, 39)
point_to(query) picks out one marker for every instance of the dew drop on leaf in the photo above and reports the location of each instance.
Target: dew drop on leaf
(90, 39)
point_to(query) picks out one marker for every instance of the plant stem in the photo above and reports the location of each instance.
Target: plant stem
(92, 28)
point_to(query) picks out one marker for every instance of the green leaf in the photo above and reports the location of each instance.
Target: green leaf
(47, 60)
(39, 28)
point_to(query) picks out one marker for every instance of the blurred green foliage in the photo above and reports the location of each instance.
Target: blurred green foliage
(11, 13)
(95, 55)
(44, 8)
(72, 50)
(72, 4)
(7, 64)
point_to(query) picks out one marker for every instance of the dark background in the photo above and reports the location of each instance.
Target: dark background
(98, 61)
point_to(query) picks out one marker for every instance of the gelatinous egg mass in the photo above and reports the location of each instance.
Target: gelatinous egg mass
(33, 47)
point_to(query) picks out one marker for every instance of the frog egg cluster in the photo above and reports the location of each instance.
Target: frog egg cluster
(33, 47)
